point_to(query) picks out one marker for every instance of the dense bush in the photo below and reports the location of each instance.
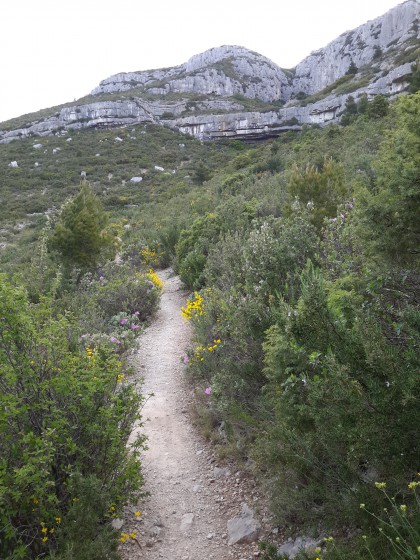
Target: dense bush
(122, 290)
(310, 351)
(60, 406)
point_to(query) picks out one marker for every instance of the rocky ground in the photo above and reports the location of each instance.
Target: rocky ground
(193, 497)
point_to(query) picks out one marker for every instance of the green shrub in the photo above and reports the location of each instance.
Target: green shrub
(121, 290)
(344, 401)
(61, 405)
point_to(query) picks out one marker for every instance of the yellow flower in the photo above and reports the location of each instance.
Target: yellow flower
(380, 485)
(44, 539)
(133, 535)
(153, 277)
(137, 513)
(362, 506)
(413, 485)
(318, 550)
(44, 530)
(58, 520)
(194, 307)
(403, 507)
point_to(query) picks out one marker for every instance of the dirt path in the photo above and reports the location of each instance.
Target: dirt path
(190, 502)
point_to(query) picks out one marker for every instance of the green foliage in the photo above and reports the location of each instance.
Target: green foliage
(378, 107)
(322, 190)
(389, 211)
(122, 290)
(415, 78)
(328, 363)
(350, 111)
(60, 405)
(201, 174)
(246, 273)
(80, 235)
(312, 366)
(352, 69)
(193, 246)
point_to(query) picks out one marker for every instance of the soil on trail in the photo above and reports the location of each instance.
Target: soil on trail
(190, 501)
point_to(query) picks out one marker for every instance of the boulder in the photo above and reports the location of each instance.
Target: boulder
(292, 547)
(244, 528)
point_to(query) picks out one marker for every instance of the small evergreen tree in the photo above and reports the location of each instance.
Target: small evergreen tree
(378, 107)
(414, 79)
(350, 111)
(352, 69)
(390, 212)
(201, 174)
(80, 237)
(362, 104)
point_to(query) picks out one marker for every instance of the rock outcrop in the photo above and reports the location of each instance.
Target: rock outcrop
(394, 32)
(230, 91)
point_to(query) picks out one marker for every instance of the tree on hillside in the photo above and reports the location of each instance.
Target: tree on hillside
(322, 190)
(378, 107)
(350, 111)
(80, 236)
(390, 211)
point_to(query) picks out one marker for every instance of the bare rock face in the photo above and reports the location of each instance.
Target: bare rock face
(210, 92)
(364, 45)
(222, 71)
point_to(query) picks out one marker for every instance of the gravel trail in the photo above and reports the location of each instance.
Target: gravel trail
(190, 501)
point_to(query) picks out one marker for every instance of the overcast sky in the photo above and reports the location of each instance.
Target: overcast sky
(54, 51)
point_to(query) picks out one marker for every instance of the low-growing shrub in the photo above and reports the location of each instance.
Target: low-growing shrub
(126, 291)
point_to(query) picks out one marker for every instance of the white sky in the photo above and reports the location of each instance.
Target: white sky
(54, 51)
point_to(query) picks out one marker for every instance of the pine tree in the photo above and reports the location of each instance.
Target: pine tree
(80, 236)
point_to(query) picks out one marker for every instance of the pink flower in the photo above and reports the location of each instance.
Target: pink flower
(134, 327)
(83, 336)
(185, 359)
(123, 321)
(113, 339)
(208, 390)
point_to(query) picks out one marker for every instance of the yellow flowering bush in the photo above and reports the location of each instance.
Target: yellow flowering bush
(153, 277)
(149, 256)
(194, 307)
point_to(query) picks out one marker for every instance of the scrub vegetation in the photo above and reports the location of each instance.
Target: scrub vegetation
(302, 256)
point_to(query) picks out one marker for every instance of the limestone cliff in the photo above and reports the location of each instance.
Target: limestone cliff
(230, 91)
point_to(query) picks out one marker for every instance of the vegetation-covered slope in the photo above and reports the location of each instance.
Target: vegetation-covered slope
(303, 252)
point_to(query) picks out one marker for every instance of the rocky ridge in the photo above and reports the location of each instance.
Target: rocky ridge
(231, 91)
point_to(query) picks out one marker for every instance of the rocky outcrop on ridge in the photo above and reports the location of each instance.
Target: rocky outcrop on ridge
(224, 71)
(231, 91)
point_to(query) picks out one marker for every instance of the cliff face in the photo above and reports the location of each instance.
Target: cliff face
(223, 71)
(230, 91)
(373, 44)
